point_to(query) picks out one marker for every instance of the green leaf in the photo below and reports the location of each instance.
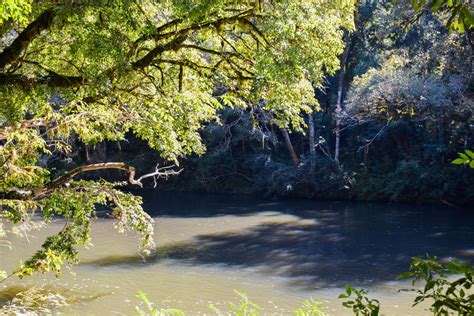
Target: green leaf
(429, 285)
(468, 18)
(458, 161)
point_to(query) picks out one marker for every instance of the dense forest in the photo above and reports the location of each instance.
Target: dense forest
(386, 126)
(106, 105)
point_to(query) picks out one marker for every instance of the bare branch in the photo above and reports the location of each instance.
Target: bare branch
(375, 137)
(163, 172)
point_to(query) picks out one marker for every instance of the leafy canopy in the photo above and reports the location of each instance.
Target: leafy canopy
(93, 71)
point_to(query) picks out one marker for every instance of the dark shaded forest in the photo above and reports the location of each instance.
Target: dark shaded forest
(388, 125)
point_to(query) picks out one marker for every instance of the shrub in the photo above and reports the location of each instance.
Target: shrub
(446, 295)
(360, 304)
(147, 308)
(312, 307)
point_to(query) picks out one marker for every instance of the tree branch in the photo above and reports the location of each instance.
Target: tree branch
(181, 35)
(178, 38)
(163, 172)
(171, 45)
(211, 51)
(53, 80)
(43, 21)
(157, 31)
(39, 122)
(19, 194)
(58, 182)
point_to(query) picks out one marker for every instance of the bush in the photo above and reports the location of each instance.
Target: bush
(446, 296)
(361, 305)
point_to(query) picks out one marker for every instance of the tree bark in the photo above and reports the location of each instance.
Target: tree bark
(10, 53)
(291, 149)
(19, 194)
(312, 145)
(339, 104)
(88, 156)
(64, 179)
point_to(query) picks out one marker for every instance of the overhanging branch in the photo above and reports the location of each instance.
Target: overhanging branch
(39, 122)
(62, 180)
(148, 58)
(20, 194)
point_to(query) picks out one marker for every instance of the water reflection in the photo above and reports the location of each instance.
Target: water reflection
(323, 244)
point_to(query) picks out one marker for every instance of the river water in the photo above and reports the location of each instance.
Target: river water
(280, 253)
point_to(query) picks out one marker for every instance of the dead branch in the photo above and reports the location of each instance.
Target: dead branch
(163, 172)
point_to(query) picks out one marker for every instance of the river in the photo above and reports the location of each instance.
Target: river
(280, 253)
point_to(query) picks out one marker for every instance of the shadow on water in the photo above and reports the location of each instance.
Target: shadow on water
(331, 244)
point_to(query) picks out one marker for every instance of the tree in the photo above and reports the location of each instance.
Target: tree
(91, 72)
(460, 12)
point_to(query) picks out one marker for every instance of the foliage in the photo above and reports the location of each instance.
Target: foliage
(312, 307)
(77, 73)
(360, 304)
(395, 91)
(77, 202)
(244, 307)
(446, 295)
(411, 103)
(16, 10)
(407, 180)
(414, 71)
(408, 108)
(466, 158)
(461, 15)
(153, 311)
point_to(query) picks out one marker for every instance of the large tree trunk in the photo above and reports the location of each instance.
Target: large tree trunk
(291, 149)
(312, 145)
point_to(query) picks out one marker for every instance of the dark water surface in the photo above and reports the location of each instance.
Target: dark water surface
(345, 242)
